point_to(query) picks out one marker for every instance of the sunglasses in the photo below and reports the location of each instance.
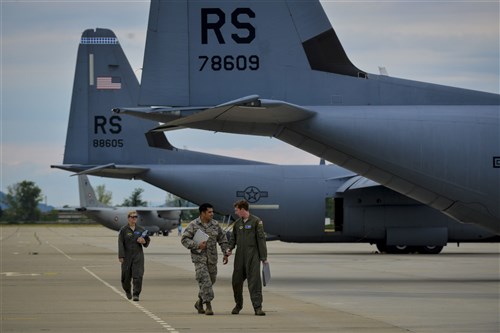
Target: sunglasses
(133, 216)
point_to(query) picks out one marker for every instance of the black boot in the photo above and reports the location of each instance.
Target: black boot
(259, 312)
(199, 306)
(236, 310)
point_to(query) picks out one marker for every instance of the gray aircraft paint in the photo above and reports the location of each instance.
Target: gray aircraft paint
(437, 144)
(290, 199)
(153, 219)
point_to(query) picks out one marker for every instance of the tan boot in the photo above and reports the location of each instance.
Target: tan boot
(209, 311)
(199, 306)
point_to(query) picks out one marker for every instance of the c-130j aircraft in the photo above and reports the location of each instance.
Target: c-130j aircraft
(293, 201)
(159, 220)
(278, 69)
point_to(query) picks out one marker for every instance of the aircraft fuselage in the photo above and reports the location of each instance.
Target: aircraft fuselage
(447, 157)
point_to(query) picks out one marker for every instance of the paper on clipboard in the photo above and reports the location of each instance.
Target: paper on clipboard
(266, 273)
(200, 236)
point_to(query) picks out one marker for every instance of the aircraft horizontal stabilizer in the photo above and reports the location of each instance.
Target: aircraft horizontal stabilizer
(159, 113)
(166, 113)
(247, 110)
(97, 168)
(109, 170)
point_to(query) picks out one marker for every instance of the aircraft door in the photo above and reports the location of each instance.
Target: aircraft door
(334, 206)
(334, 214)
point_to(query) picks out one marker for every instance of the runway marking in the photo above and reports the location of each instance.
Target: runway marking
(150, 314)
(60, 251)
(9, 274)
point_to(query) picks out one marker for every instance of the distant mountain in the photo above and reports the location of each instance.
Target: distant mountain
(43, 207)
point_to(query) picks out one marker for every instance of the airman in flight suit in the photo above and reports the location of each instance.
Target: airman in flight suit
(131, 240)
(249, 238)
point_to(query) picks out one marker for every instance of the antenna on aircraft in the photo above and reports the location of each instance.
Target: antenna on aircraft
(383, 71)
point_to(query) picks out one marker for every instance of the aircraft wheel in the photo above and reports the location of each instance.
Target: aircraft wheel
(398, 249)
(165, 233)
(429, 249)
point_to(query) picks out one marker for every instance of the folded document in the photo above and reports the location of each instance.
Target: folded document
(200, 236)
(266, 273)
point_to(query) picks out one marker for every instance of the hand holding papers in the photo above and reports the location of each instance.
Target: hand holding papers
(200, 236)
(266, 273)
(142, 238)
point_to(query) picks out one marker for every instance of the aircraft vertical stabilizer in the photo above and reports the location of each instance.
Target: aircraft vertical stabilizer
(194, 42)
(99, 140)
(103, 79)
(210, 52)
(87, 193)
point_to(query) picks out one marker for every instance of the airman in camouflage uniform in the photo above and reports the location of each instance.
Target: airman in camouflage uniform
(250, 239)
(204, 254)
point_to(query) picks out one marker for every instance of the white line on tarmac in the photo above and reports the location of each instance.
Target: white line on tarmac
(150, 314)
(61, 251)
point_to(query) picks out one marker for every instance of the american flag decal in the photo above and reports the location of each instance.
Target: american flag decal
(108, 82)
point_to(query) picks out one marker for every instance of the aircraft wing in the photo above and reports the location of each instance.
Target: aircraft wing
(69, 209)
(357, 182)
(108, 170)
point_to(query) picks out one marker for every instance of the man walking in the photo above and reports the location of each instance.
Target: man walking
(250, 239)
(131, 239)
(204, 254)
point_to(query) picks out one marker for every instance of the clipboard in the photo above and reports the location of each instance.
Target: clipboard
(200, 236)
(266, 273)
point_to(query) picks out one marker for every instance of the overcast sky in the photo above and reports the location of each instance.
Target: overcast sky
(447, 42)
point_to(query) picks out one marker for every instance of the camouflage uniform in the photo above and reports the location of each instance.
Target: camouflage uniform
(205, 262)
(250, 239)
(133, 257)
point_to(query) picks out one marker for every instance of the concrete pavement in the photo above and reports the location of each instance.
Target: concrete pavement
(67, 279)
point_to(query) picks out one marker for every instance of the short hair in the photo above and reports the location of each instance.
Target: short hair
(131, 212)
(204, 207)
(241, 204)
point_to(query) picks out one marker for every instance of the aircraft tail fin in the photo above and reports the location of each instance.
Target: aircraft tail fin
(220, 50)
(285, 50)
(103, 79)
(97, 137)
(87, 193)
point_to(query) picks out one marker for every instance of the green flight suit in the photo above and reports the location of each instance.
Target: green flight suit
(133, 258)
(250, 240)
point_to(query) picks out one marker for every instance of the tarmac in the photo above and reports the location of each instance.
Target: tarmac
(67, 279)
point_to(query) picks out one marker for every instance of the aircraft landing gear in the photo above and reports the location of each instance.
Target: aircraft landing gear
(405, 249)
(429, 249)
